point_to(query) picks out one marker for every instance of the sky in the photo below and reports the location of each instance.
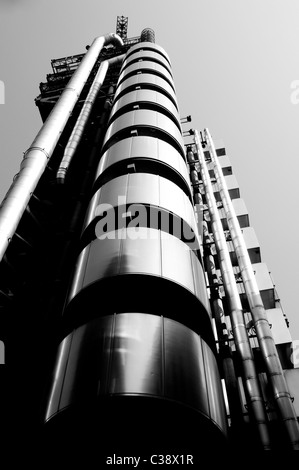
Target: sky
(236, 71)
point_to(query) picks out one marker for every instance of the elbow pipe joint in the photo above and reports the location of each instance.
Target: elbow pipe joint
(113, 38)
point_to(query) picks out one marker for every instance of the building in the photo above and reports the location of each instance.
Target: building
(136, 311)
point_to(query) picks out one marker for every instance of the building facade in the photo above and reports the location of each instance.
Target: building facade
(146, 315)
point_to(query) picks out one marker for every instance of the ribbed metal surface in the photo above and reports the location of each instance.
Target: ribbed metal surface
(145, 251)
(144, 147)
(148, 120)
(136, 354)
(147, 98)
(145, 80)
(146, 55)
(145, 46)
(143, 189)
(147, 67)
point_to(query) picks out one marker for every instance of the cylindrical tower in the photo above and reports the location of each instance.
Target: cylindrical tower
(136, 368)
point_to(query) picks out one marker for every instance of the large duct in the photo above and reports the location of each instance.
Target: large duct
(37, 156)
(82, 120)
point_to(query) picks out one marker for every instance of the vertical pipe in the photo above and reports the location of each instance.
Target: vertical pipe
(224, 346)
(242, 343)
(37, 156)
(82, 120)
(262, 327)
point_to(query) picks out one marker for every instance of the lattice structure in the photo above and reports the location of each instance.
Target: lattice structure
(122, 26)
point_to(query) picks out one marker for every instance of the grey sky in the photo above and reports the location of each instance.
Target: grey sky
(233, 61)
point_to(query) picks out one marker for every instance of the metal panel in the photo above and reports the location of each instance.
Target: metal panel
(146, 96)
(176, 262)
(279, 329)
(146, 55)
(200, 283)
(104, 259)
(292, 378)
(250, 238)
(252, 246)
(137, 359)
(214, 387)
(113, 193)
(225, 164)
(240, 211)
(150, 45)
(146, 65)
(141, 355)
(58, 382)
(142, 251)
(265, 284)
(231, 182)
(81, 366)
(79, 273)
(262, 276)
(146, 118)
(81, 383)
(184, 365)
(144, 79)
(144, 147)
(143, 188)
(176, 201)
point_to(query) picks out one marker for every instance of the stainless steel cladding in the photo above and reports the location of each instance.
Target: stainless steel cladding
(146, 260)
(152, 191)
(141, 55)
(82, 120)
(147, 81)
(137, 357)
(37, 156)
(146, 122)
(137, 323)
(148, 46)
(146, 99)
(141, 149)
(144, 66)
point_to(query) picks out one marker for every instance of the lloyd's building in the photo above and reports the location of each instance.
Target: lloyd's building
(135, 309)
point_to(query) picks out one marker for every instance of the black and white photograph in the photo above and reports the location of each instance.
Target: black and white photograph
(149, 162)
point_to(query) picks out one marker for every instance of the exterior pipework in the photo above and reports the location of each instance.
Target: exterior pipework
(241, 339)
(37, 156)
(81, 122)
(126, 337)
(266, 342)
(225, 352)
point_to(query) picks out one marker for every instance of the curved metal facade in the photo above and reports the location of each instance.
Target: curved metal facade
(137, 321)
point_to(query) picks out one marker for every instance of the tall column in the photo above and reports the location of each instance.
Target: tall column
(138, 354)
